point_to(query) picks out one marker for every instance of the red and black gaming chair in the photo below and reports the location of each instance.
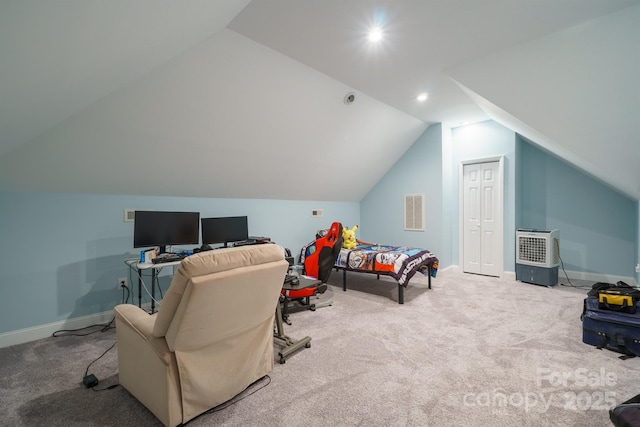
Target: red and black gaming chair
(318, 264)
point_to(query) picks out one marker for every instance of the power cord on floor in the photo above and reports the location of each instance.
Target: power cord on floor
(90, 380)
(234, 400)
(106, 388)
(76, 332)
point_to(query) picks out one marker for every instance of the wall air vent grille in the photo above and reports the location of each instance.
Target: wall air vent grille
(129, 215)
(414, 212)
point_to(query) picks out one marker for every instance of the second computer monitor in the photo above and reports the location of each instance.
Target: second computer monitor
(224, 230)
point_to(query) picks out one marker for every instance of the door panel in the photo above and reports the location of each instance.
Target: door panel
(482, 218)
(472, 214)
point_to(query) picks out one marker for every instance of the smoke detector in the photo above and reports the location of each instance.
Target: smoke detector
(349, 98)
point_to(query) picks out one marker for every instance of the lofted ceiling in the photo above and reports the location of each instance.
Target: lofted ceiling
(246, 98)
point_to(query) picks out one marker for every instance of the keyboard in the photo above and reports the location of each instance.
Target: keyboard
(171, 258)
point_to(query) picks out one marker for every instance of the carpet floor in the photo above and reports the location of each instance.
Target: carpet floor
(471, 351)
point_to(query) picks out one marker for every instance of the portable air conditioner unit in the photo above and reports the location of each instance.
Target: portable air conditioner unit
(538, 256)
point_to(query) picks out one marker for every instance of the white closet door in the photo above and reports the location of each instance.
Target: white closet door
(482, 219)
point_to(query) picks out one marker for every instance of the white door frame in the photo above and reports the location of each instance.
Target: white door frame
(500, 231)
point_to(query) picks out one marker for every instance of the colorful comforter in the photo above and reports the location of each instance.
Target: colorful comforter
(399, 262)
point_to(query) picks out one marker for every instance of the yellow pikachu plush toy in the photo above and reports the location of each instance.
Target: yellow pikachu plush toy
(349, 237)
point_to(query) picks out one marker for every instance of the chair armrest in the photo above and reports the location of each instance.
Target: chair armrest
(141, 322)
(136, 318)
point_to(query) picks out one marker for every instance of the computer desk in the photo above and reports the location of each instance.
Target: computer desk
(155, 268)
(291, 345)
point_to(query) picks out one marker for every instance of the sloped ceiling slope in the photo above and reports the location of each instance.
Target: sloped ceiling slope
(59, 57)
(576, 93)
(214, 99)
(422, 38)
(229, 118)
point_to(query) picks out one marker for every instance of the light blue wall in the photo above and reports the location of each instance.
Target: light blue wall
(419, 170)
(431, 166)
(481, 141)
(63, 253)
(449, 199)
(598, 226)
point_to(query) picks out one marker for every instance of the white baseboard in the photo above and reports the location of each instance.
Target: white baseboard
(596, 277)
(21, 336)
(509, 275)
(453, 268)
(578, 275)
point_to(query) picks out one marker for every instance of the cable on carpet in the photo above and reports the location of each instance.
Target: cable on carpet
(90, 380)
(71, 332)
(238, 398)
(112, 386)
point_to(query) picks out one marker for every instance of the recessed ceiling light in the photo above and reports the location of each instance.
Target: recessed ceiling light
(422, 97)
(375, 35)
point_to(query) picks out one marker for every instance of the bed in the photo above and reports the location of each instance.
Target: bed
(399, 262)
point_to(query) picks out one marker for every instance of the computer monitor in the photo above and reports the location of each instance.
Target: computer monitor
(162, 229)
(224, 230)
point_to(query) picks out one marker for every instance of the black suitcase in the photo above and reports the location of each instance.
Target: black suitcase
(614, 330)
(626, 414)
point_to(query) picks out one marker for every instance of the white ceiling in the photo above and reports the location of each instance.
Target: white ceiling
(215, 99)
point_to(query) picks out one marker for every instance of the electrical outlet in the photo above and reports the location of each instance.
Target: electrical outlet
(638, 268)
(122, 283)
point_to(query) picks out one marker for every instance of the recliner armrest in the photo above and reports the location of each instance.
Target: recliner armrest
(138, 320)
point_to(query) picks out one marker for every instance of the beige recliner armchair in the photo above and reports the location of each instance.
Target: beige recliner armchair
(212, 336)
